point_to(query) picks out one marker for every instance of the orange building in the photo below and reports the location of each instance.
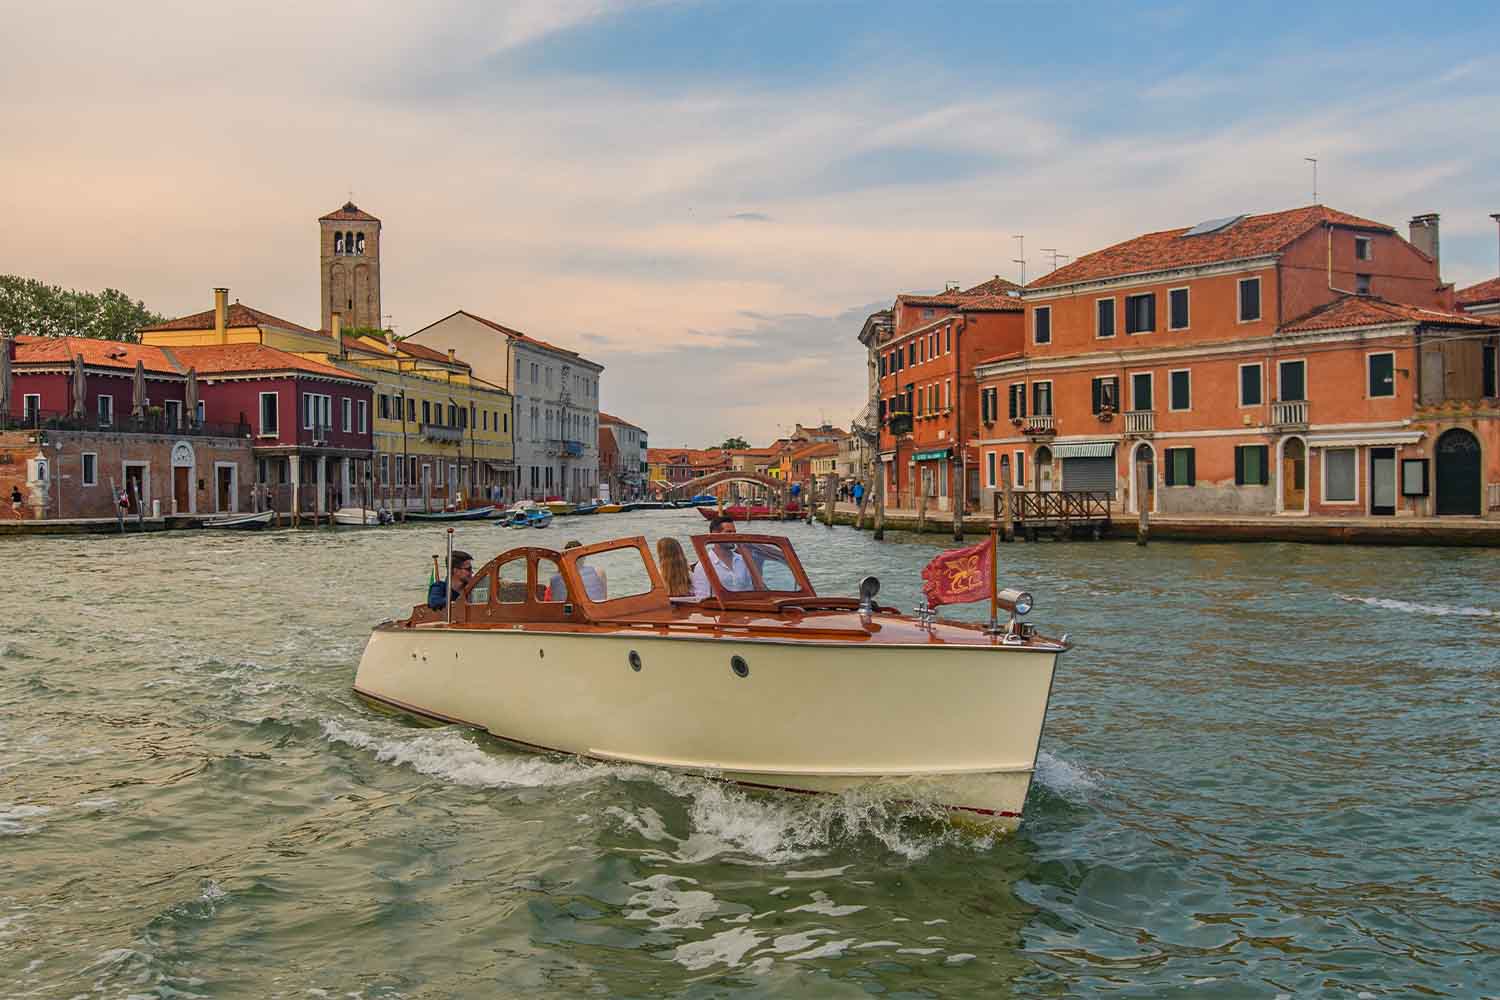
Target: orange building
(926, 401)
(1298, 362)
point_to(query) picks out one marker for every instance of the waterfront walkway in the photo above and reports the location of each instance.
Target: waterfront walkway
(1236, 528)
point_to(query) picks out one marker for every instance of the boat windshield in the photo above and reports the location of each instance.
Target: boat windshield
(753, 564)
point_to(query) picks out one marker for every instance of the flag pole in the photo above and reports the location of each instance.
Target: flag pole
(448, 581)
(994, 628)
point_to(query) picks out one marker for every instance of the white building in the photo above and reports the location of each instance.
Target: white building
(556, 395)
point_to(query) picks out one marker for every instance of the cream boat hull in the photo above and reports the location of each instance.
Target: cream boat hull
(956, 725)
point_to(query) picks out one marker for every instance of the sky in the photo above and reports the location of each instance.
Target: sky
(709, 198)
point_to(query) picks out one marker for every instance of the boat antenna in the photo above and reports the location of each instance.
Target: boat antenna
(448, 580)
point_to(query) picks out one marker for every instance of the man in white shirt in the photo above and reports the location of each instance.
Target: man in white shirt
(729, 565)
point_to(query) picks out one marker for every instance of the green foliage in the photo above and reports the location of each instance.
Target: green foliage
(28, 306)
(735, 443)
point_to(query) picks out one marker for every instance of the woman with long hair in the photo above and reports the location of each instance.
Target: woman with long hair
(674, 567)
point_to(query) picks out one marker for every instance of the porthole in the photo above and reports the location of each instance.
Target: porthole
(739, 666)
(635, 661)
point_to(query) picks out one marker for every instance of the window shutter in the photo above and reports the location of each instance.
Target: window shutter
(1265, 466)
(1192, 467)
(1170, 477)
(1239, 466)
(1098, 388)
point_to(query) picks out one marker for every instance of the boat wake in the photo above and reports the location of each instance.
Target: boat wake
(1437, 610)
(447, 754)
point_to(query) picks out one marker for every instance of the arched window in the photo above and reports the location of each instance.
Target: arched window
(338, 243)
(359, 245)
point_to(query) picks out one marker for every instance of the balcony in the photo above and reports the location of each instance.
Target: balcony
(438, 432)
(1141, 422)
(1039, 423)
(1289, 413)
(148, 423)
(566, 448)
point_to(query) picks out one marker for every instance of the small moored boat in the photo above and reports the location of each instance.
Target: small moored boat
(764, 682)
(242, 522)
(362, 517)
(743, 512)
(472, 514)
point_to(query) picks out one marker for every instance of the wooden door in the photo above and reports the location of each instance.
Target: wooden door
(181, 487)
(1294, 475)
(1459, 484)
(225, 490)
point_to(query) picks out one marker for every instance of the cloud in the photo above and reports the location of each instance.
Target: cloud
(751, 217)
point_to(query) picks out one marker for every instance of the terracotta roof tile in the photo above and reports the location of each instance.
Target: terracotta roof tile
(96, 353)
(1480, 294)
(237, 316)
(1367, 310)
(609, 418)
(995, 286)
(1251, 236)
(228, 359)
(349, 213)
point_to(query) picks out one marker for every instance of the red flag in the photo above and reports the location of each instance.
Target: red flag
(959, 576)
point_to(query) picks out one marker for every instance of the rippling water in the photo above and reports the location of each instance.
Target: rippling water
(1269, 771)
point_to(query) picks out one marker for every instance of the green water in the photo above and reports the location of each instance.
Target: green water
(1269, 771)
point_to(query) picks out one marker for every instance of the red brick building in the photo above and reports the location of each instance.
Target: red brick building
(1298, 362)
(927, 401)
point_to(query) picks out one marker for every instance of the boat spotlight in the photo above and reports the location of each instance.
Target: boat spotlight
(868, 588)
(1017, 602)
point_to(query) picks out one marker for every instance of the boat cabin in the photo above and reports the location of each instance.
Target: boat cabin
(619, 579)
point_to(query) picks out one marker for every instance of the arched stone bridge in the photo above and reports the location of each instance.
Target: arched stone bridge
(704, 484)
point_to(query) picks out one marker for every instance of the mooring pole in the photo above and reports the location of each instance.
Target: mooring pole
(448, 580)
(879, 485)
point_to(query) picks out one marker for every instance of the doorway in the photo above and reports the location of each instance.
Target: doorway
(182, 489)
(224, 489)
(1459, 482)
(1382, 481)
(1043, 462)
(137, 486)
(1294, 476)
(1144, 493)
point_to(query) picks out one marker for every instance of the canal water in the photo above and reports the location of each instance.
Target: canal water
(1268, 771)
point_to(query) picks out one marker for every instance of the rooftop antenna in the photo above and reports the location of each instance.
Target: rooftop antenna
(1055, 256)
(1496, 217)
(1314, 161)
(1020, 249)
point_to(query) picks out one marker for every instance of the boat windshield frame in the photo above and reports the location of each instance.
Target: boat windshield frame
(759, 598)
(656, 599)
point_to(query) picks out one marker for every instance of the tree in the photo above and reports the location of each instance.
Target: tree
(28, 306)
(734, 443)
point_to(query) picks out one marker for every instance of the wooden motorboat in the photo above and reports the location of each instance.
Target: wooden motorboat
(610, 508)
(647, 505)
(537, 517)
(242, 522)
(773, 687)
(472, 514)
(362, 517)
(586, 508)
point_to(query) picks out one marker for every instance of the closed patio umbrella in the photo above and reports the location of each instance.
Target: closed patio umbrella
(5, 349)
(138, 392)
(80, 386)
(192, 397)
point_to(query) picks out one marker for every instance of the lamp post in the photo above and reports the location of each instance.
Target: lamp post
(405, 464)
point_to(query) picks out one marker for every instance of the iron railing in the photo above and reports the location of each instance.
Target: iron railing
(148, 423)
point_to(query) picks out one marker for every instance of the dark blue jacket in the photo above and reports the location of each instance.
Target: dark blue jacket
(437, 595)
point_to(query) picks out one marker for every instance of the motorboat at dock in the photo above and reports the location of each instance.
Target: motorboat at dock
(774, 686)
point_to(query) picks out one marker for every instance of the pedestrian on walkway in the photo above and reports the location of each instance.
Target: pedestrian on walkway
(859, 491)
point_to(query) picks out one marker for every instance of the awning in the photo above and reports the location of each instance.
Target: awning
(1084, 449)
(500, 466)
(1357, 439)
(928, 456)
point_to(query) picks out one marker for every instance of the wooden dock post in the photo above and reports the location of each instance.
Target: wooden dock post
(859, 517)
(956, 497)
(921, 510)
(1007, 518)
(879, 486)
(1143, 526)
(831, 494)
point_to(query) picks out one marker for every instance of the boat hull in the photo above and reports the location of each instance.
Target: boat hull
(956, 726)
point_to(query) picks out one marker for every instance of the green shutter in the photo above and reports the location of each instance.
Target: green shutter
(1239, 466)
(1192, 468)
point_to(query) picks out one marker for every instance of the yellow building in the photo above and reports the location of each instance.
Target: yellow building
(439, 433)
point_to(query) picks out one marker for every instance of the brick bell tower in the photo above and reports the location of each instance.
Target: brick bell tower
(349, 261)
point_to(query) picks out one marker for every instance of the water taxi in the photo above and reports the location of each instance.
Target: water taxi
(764, 682)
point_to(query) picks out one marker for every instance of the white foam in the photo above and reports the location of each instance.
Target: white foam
(446, 754)
(1438, 610)
(959, 958)
(725, 948)
(1066, 779)
(828, 949)
(918, 951)
(827, 907)
(11, 818)
(669, 908)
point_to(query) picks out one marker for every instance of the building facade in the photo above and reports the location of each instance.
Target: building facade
(1299, 362)
(928, 403)
(555, 395)
(349, 268)
(623, 457)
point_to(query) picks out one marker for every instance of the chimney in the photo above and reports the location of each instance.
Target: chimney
(336, 330)
(221, 315)
(390, 341)
(1424, 236)
(452, 356)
